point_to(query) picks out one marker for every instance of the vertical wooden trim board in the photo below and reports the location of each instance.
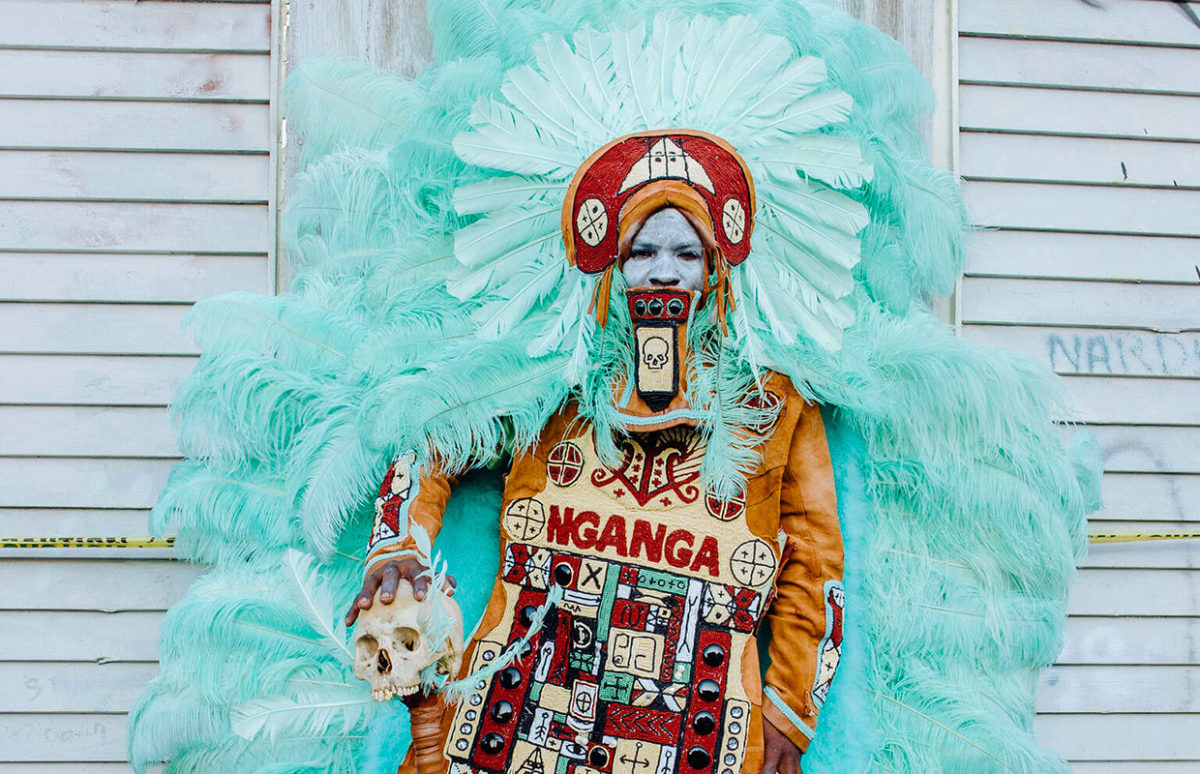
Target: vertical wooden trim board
(1079, 148)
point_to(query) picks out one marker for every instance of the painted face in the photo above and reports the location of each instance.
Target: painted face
(666, 252)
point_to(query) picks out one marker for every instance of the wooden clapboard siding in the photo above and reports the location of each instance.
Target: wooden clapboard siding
(1079, 141)
(136, 177)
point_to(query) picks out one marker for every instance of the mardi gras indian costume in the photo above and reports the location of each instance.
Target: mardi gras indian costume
(649, 661)
(667, 474)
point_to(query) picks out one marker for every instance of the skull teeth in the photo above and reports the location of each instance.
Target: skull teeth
(391, 692)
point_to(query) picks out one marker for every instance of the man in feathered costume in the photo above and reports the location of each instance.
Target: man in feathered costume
(650, 659)
(437, 316)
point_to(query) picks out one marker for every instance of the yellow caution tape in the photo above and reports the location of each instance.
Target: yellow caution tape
(149, 542)
(86, 542)
(1134, 537)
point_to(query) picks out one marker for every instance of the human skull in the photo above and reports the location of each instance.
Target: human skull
(654, 353)
(391, 648)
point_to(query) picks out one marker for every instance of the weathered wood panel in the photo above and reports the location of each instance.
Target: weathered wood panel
(995, 156)
(57, 687)
(67, 738)
(135, 75)
(125, 226)
(1079, 65)
(147, 26)
(1142, 497)
(1047, 255)
(1116, 737)
(1122, 592)
(105, 276)
(81, 483)
(1152, 449)
(137, 176)
(1118, 21)
(1165, 211)
(99, 125)
(82, 521)
(109, 329)
(1151, 554)
(1167, 308)
(1079, 113)
(1098, 351)
(93, 585)
(81, 636)
(91, 380)
(1131, 640)
(1134, 401)
(1149, 689)
(85, 432)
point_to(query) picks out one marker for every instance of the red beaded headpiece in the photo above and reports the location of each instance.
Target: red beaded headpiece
(632, 177)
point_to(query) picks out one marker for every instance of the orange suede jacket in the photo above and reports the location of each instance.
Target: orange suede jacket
(649, 665)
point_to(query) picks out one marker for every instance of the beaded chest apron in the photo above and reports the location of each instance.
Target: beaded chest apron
(639, 670)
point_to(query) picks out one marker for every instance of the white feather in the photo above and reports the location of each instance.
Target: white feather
(835, 160)
(316, 602)
(500, 192)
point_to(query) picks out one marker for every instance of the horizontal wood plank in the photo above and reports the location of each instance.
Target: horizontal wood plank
(97, 585)
(1165, 308)
(1149, 497)
(110, 24)
(1118, 21)
(127, 276)
(1139, 449)
(85, 432)
(102, 125)
(1086, 208)
(1079, 65)
(135, 176)
(57, 687)
(81, 636)
(77, 767)
(1081, 113)
(78, 522)
(65, 521)
(124, 226)
(1047, 255)
(1125, 767)
(126, 75)
(1149, 689)
(110, 329)
(81, 483)
(1078, 159)
(1134, 401)
(1148, 554)
(66, 738)
(1097, 351)
(1116, 737)
(1135, 639)
(1125, 592)
(86, 380)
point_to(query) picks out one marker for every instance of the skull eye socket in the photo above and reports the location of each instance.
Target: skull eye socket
(367, 646)
(407, 638)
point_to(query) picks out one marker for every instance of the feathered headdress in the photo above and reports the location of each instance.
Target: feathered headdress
(435, 309)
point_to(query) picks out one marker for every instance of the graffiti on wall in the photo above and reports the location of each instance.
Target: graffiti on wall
(1124, 353)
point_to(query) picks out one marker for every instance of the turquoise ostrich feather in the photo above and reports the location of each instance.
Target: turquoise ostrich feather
(963, 514)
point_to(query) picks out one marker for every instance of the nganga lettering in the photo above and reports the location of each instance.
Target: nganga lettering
(645, 541)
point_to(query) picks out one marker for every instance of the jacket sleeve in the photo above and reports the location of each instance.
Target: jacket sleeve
(408, 511)
(806, 615)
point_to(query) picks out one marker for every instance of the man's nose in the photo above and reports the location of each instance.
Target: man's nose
(664, 271)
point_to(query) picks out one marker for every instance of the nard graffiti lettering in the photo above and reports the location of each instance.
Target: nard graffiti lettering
(647, 541)
(1122, 353)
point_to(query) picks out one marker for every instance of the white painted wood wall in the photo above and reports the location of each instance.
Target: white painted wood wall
(1079, 141)
(136, 176)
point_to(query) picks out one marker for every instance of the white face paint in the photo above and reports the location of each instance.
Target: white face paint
(666, 252)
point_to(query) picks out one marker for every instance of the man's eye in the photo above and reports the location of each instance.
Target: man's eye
(691, 256)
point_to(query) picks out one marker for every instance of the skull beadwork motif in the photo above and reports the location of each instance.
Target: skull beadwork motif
(655, 353)
(394, 643)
